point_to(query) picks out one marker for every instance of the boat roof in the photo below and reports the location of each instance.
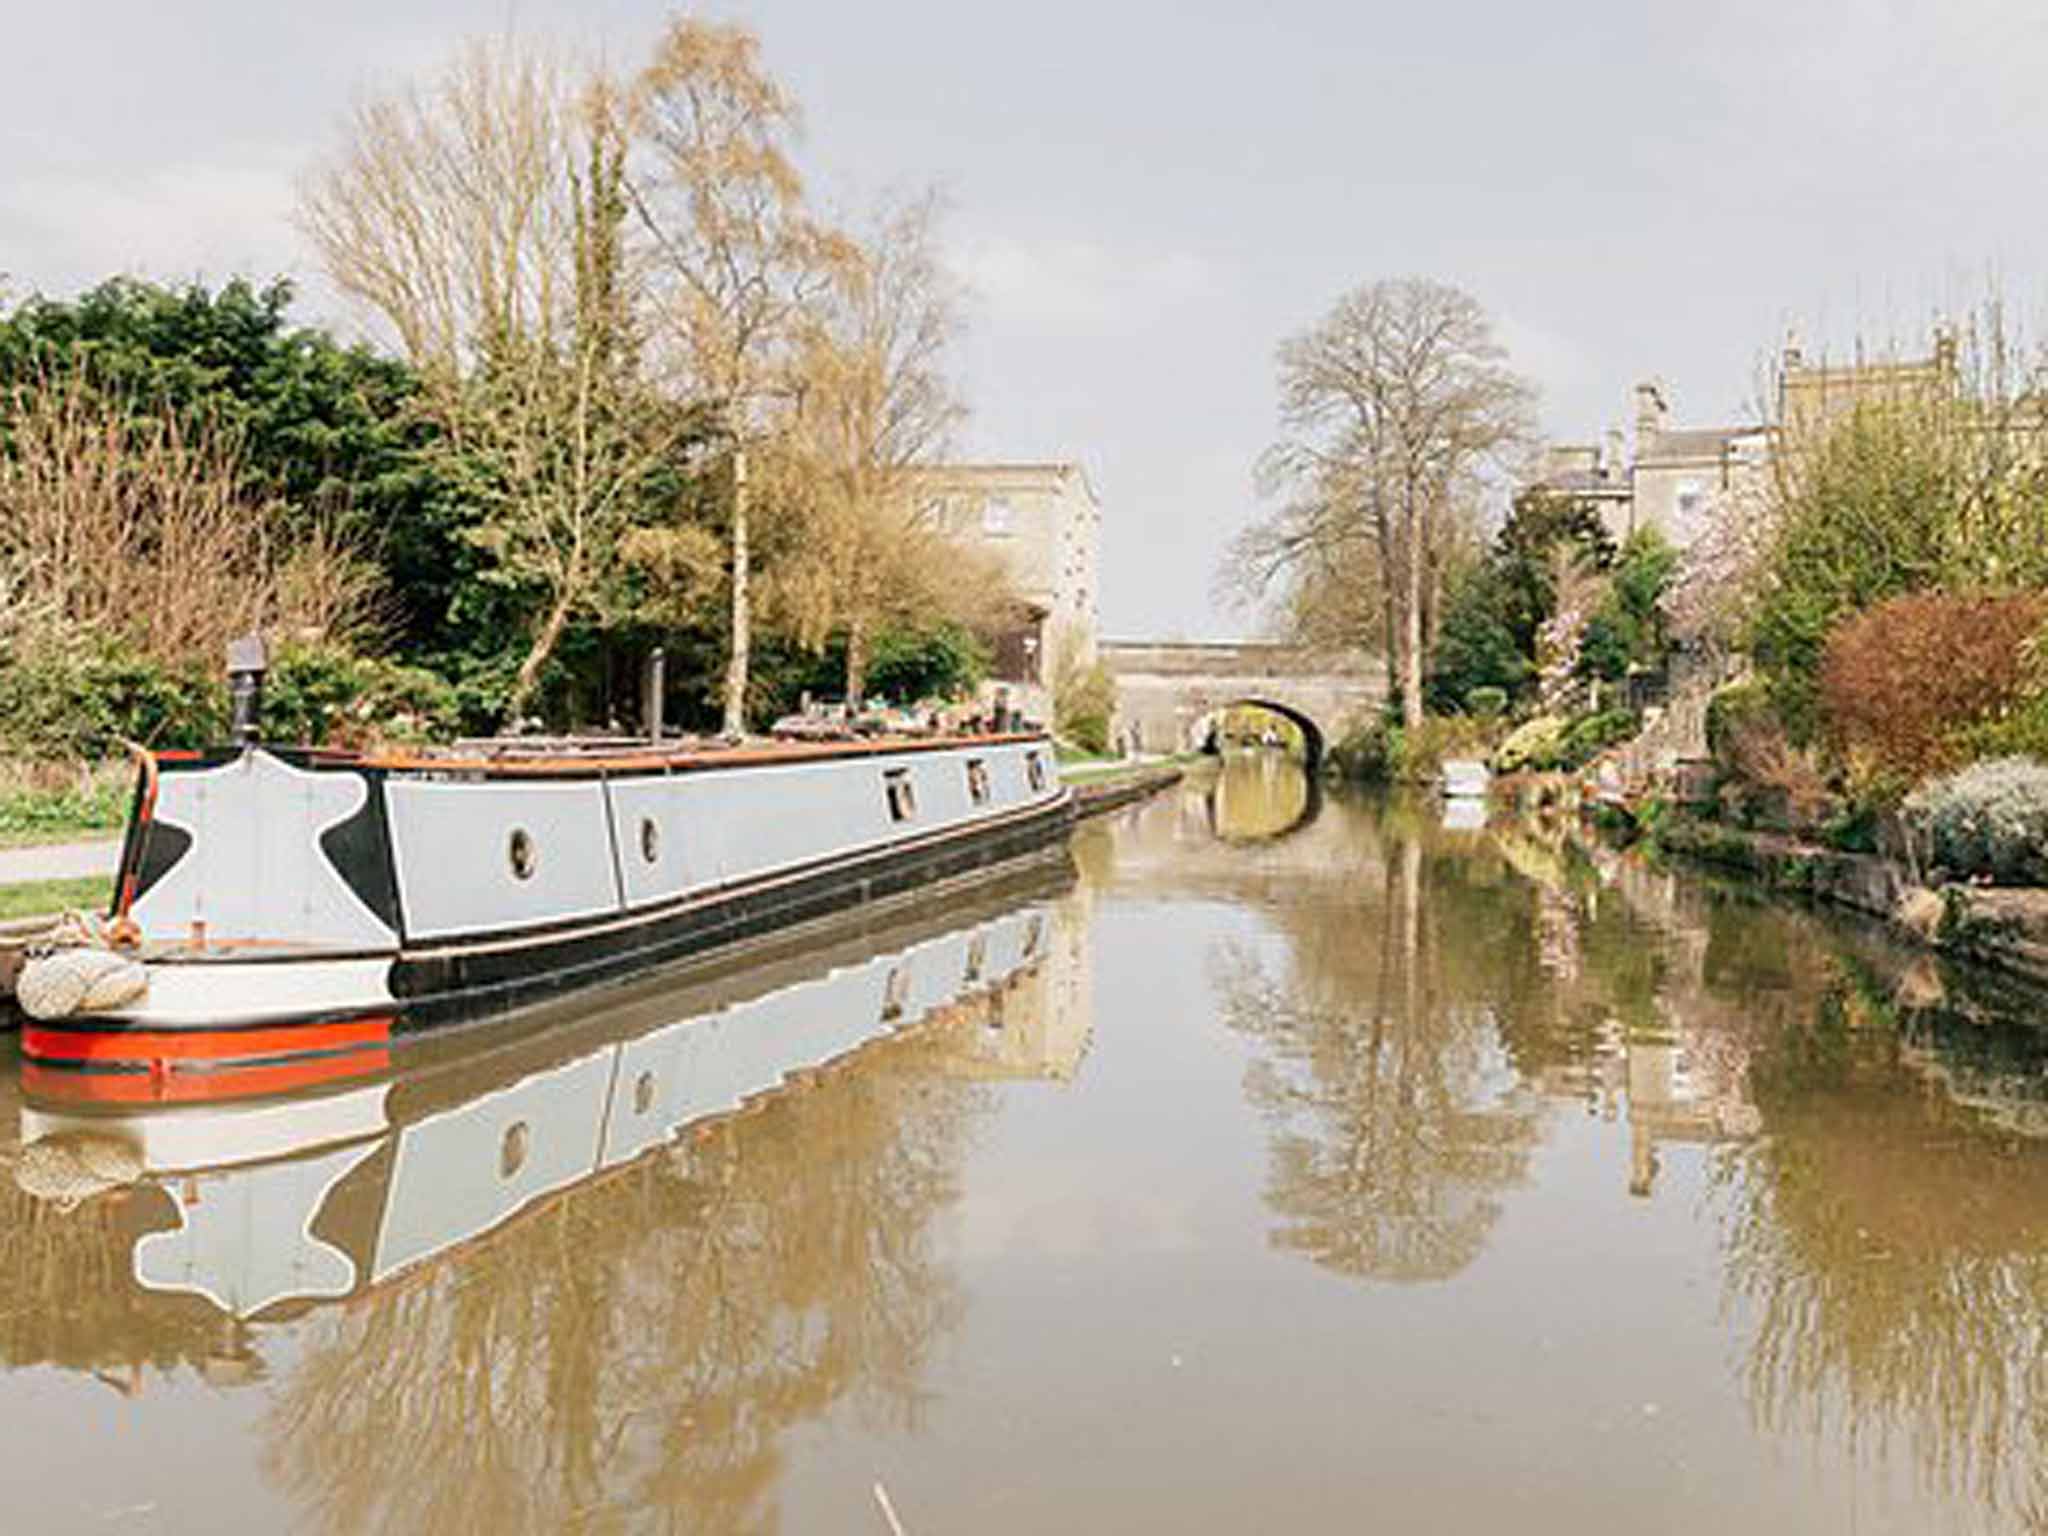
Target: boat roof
(514, 757)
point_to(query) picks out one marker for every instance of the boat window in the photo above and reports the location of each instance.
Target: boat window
(1034, 770)
(512, 1150)
(1034, 935)
(650, 840)
(523, 855)
(977, 781)
(895, 994)
(977, 957)
(902, 796)
(643, 1093)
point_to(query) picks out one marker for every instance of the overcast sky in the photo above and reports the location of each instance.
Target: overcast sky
(1147, 196)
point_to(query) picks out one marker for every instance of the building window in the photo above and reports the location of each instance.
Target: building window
(1691, 498)
(998, 517)
(977, 781)
(901, 795)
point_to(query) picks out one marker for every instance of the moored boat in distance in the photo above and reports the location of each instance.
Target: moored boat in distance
(281, 906)
(1465, 778)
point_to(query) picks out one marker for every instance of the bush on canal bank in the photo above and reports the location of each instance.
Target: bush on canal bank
(1378, 751)
(1987, 822)
(80, 702)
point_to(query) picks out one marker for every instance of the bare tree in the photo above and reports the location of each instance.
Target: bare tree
(483, 219)
(127, 519)
(738, 260)
(877, 412)
(1393, 407)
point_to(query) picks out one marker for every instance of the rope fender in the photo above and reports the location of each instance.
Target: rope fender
(76, 970)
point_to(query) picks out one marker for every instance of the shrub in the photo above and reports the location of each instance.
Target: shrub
(1419, 751)
(2021, 732)
(1627, 630)
(1897, 681)
(83, 699)
(1082, 708)
(1366, 753)
(1590, 734)
(1734, 712)
(1533, 745)
(1988, 821)
(1487, 703)
(322, 695)
(944, 662)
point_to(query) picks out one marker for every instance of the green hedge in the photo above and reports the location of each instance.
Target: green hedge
(83, 701)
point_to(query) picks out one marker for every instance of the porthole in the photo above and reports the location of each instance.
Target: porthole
(900, 794)
(643, 1093)
(512, 1150)
(524, 857)
(650, 840)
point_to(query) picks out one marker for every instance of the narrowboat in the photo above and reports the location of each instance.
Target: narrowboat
(276, 905)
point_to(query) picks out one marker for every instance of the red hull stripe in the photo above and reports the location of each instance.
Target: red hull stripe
(153, 1048)
(71, 1086)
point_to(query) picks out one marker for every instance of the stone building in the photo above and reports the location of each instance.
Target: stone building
(1045, 524)
(1677, 477)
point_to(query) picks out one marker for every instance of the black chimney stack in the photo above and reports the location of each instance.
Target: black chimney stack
(247, 662)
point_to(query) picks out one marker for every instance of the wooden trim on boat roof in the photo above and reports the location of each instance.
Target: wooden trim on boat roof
(687, 762)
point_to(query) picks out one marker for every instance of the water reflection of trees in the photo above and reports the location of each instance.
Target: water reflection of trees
(1887, 1251)
(1381, 1068)
(646, 1340)
(67, 1297)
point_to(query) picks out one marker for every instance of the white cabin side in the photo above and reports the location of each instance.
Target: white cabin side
(476, 858)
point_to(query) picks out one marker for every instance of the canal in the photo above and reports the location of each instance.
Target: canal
(1270, 1160)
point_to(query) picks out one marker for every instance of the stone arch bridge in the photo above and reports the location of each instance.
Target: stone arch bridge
(1168, 690)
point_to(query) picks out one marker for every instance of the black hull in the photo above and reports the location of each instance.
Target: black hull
(473, 983)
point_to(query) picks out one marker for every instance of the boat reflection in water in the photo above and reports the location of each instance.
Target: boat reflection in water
(648, 1236)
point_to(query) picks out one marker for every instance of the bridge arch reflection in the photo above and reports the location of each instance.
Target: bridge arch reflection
(1261, 797)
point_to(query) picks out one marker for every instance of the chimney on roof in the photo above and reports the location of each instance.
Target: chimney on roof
(1945, 349)
(1650, 412)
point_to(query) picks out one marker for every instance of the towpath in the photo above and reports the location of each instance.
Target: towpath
(59, 861)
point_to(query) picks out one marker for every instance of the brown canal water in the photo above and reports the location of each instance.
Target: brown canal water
(1269, 1162)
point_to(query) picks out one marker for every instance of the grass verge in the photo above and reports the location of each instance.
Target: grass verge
(1095, 770)
(39, 898)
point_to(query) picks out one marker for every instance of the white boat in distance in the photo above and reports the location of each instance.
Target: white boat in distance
(1465, 778)
(291, 905)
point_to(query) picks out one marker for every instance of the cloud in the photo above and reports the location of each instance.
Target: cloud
(1078, 286)
(220, 216)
